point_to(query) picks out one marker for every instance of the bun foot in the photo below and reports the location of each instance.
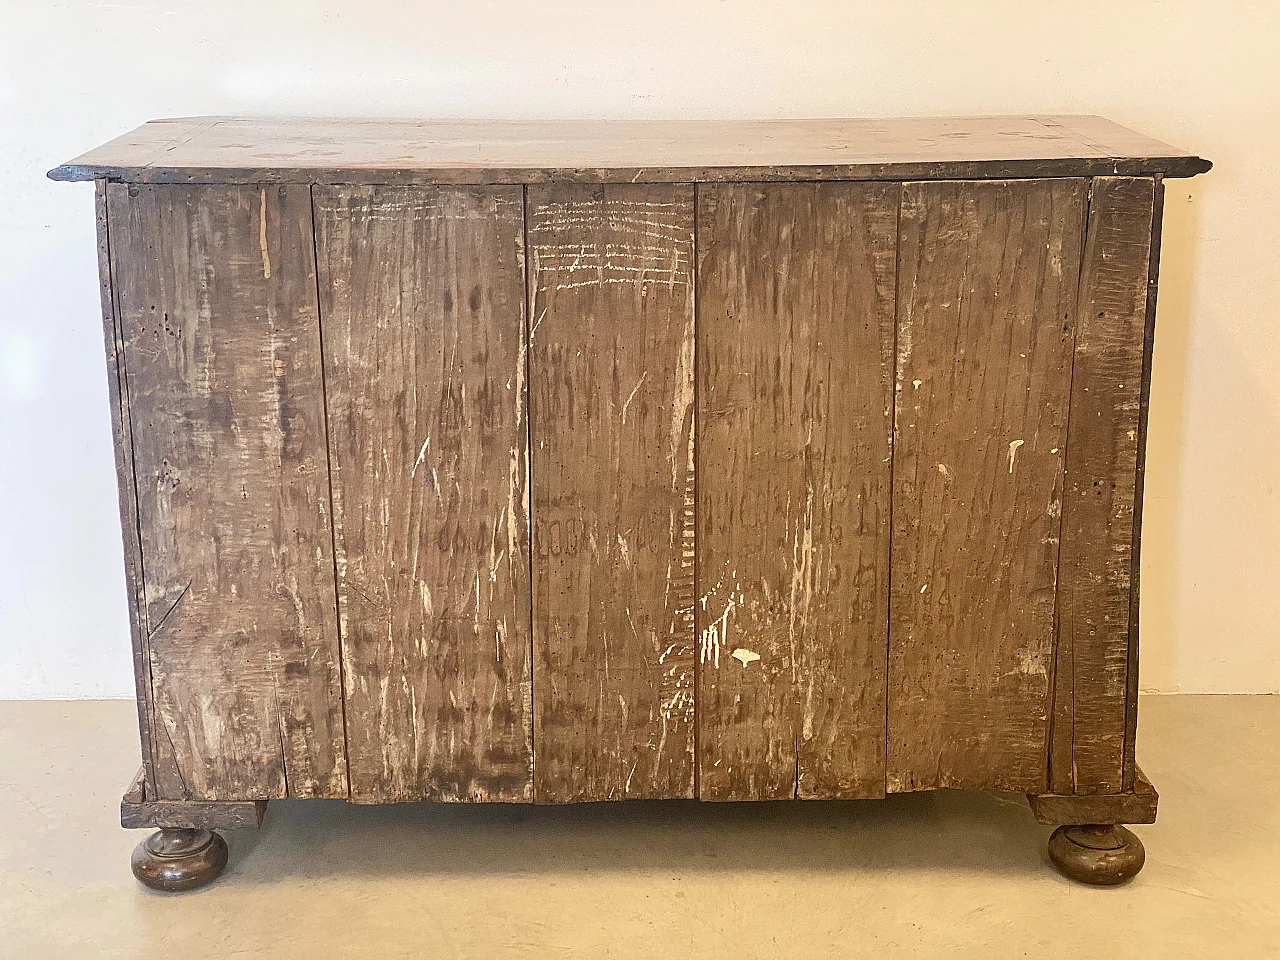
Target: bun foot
(174, 859)
(1100, 854)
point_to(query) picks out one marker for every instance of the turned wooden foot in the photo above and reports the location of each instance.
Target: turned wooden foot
(1102, 854)
(178, 858)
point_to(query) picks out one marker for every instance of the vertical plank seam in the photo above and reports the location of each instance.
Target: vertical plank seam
(138, 625)
(333, 521)
(814, 190)
(697, 493)
(893, 450)
(1062, 513)
(526, 313)
(1129, 755)
(798, 653)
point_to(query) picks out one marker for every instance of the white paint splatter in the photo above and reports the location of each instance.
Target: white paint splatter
(1013, 451)
(744, 656)
(714, 636)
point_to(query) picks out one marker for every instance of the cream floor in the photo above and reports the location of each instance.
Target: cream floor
(947, 875)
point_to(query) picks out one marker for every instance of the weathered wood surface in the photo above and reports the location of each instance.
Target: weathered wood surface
(138, 810)
(987, 282)
(1131, 773)
(1096, 556)
(118, 392)
(217, 309)
(422, 308)
(611, 407)
(264, 149)
(1136, 804)
(795, 388)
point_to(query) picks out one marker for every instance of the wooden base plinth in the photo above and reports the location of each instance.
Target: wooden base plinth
(1137, 805)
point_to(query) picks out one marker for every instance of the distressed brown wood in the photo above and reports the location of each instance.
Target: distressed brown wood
(987, 285)
(138, 811)
(422, 304)
(729, 460)
(1135, 805)
(1096, 556)
(255, 150)
(217, 306)
(118, 392)
(795, 316)
(1131, 773)
(611, 405)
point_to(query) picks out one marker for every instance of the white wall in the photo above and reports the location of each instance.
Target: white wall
(1199, 75)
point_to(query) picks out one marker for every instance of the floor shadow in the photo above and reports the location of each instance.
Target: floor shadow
(952, 829)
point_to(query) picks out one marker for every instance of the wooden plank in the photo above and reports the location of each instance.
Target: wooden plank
(795, 393)
(1137, 804)
(422, 308)
(611, 407)
(138, 811)
(217, 308)
(1096, 556)
(118, 393)
(987, 284)
(317, 150)
(1131, 772)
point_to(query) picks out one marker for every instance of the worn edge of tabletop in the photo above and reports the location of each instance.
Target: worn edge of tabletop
(1104, 147)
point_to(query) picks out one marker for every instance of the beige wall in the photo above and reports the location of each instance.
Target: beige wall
(1202, 75)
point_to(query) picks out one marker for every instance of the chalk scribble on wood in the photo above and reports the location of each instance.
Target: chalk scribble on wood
(422, 304)
(987, 287)
(611, 404)
(796, 288)
(216, 292)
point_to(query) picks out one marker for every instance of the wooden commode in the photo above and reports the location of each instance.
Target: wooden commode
(580, 461)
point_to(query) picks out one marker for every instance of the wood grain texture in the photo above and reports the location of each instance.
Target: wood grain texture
(117, 389)
(1132, 775)
(987, 283)
(1096, 558)
(611, 406)
(422, 308)
(317, 150)
(795, 387)
(217, 308)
